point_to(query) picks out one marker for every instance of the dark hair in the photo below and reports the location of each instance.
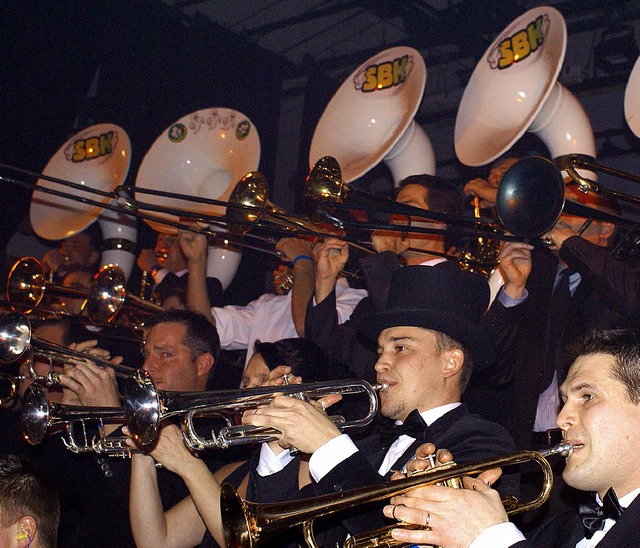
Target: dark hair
(624, 346)
(25, 492)
(305, 358)
(442, 195)
(443, 343)
(201, 335)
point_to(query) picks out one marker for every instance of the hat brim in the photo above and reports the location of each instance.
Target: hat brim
(460, 329)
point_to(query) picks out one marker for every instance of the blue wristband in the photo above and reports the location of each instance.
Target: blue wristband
(301, 257)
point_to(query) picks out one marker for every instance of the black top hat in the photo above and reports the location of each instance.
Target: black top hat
(440, 299)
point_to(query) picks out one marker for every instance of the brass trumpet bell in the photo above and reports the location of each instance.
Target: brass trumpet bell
(39, 414)
(251, 191)
(109, 301)
(15, 333)
(27, 286)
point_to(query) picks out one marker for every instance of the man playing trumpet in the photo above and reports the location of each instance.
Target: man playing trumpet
(600, 417)
(428, 338)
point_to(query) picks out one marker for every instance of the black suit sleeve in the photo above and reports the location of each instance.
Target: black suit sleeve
(615, 279)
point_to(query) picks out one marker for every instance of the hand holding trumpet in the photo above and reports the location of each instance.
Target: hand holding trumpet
(438, 509)
(303, 425)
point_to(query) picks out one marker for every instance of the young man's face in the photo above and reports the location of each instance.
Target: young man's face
(408, 361)
(602, 425)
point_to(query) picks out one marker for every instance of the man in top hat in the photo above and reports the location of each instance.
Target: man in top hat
(393, 249)
(428, 339)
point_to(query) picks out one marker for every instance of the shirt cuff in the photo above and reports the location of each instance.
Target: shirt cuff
(328, 456)
(270, 463)
(509, 302)
(501, 535)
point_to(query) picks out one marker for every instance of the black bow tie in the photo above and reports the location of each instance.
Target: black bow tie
(593, 515)
(414, 426)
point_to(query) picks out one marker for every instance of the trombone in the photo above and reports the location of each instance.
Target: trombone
(16, 340)
(247, 524)
(530, 201)
(145, 407)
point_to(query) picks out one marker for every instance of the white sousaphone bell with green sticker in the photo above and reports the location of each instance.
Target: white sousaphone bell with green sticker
(371, 119)
(203, 154)
(96, 160)
(514, 88)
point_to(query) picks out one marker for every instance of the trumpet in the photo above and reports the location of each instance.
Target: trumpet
(39, 414)
(109, 300)
(27, 286)
(247, 524)
(16, 340)
(9, 389)
(146, 407)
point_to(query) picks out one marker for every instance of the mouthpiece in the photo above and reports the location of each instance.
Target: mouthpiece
(563, 449)
(381, 387)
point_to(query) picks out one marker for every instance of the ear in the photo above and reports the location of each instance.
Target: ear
(454, 360)
(204, 363)
(27, 530)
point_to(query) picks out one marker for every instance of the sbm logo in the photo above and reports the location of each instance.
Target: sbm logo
(522, 44)
(386, 75)
(92, 147)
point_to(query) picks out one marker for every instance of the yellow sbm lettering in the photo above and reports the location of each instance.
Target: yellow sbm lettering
(93, 147)
(522, 44)
(385, 75)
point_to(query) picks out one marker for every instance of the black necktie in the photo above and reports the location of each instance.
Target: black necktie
(414, 426)
(559, 307)
(593, 515)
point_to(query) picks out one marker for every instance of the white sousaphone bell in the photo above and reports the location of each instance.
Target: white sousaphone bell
(371, 118)
(203, 154)
(514, 89)
(97, 158)
(632, 99)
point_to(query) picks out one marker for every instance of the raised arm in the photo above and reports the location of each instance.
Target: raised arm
(184, 524)
(298, 253)
(194, 248)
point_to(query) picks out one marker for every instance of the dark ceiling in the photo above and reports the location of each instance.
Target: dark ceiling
(337, 35)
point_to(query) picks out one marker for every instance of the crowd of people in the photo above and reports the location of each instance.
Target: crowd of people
(463, 374)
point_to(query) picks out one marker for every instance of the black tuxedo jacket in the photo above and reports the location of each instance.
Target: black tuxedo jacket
(565, 530)
(608, 297)
(467, 436)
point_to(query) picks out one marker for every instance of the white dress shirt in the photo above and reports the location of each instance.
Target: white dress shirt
(269, 319)
(339, 449)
